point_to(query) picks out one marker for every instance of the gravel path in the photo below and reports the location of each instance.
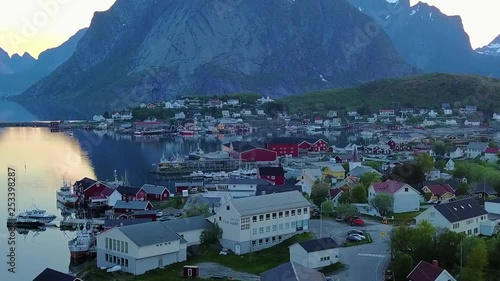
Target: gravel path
(208, 269)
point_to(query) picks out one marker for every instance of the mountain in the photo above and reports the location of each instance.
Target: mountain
(20, 72)
(457, 90)
(492, 49)
(428, 39)
(149, 50)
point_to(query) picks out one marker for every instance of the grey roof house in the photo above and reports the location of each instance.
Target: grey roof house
(189, 228)
(291, 271)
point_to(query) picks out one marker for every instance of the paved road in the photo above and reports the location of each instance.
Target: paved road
(364, 262)
(208, 269)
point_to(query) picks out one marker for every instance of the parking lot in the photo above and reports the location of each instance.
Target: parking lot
(363, 262)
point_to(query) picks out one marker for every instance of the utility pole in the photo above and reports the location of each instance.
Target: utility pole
(321, 220)
(461, 257)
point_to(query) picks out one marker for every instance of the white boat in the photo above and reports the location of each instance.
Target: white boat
(114, 268)
(197, 174)
(65, 196)
(81, 244)
(27, 222)
(37, 214)
(197, 154)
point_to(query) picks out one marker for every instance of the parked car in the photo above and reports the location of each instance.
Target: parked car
(357, 235)
(159, 214)
(355, 231)
(388, 275)
(353, 239)
(315, 215)
(358, 221)
(339, 219)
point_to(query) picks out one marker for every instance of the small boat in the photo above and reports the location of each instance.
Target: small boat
(114, 268)
(37, 214)
(197, 154)
(81, 244)
(187, 133)
(65, 196)
(27, 222)
(197, 174)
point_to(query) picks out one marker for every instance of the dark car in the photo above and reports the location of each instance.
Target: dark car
(354, 231)
(353, 239)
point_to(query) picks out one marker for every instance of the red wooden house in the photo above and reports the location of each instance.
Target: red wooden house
(276, 175)
(313, 145)
(249, 153)
(155, 192)
(284, 146)
(85, 188)
(127, 207)
(132, 193)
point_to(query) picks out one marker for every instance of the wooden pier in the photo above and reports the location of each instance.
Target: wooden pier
(74, 223)
(189, 166)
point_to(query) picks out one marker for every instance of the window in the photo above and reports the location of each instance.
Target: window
(245, 226)
(268, 217)
(432, 214)
(245, 220)
(254, 231)
(475, 230)
(254, 243)
(280, 215)
(281, 226)
(280, 238)
(406, 189)
(287, 225)
(122, 246)
(275, 227)
(299, 212)
(227, 207)
(118, 246)
(287, 213)
(305, 210)
(261, 218)
(274, 216)
(254, 218)
(456, 225)
(261, 230)
(469, 232)
(107, 256)
(293, 224)
(260, 241)
(267, 240)
(268, 228)
(220, 218)
(114, 245)
(126, 247)
(107, 246)
(126, 262)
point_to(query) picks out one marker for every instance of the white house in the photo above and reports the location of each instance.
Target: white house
(168, 105)
(352, 113)
(451, 122)
(98, 118)
(447, 111)
(406, 198)
(472, 123)
(180, 115)
(316, 253)
(332, 113)
(428, 123)
(236, 188)
(189, 228)
(116, 115)
(265, 100)
(334, 195)
(140, 247)
(246, 112)
(496, 117)
(463, 215)
(226, 114)
(492, 206)
(233, 102)
(386, 112)
(260, 112)
(308, 178)
(475, 149)
(259, 222)
(432, 114)
(457, 153)
(126, 116)
(450, 165)
(425, 271)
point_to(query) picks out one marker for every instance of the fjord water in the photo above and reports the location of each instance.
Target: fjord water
(42, 159)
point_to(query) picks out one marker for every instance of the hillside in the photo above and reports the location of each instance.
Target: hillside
(142, 50)
(427, 91)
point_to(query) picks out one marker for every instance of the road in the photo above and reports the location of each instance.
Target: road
(363, 262)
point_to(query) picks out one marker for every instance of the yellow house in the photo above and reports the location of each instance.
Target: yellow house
(331, 169)
(439, 192)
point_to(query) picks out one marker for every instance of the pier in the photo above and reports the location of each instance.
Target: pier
(74, 223)
(189, 166)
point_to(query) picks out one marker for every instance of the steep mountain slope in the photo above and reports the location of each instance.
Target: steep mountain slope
(492, 49)
(148, 50)
(427, 38)
(18, 73)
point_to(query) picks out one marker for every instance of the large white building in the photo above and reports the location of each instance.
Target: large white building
(140, 247)
(464, 216)
(255, 223)
(406, 198)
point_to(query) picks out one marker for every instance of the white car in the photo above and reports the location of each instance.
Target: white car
(359, 236)
(159, 214)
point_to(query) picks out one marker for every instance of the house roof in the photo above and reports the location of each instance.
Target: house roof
(291, 271)
(424, 271)
(144, 212)
(50, 274)
(187, 224)
(131, 205)
(149, 233)
(484, 187)
(128, 190)
(334, 192)
(389, 186)
(153, 189)
(108, 223)
(477, 146)
(107, 191)
(461, 210)
(241, 146)
(269, 203)
(284, 140)
(269, 189)
(332, 166)
(451, 182)
(361, 170)
(492, 150)
(319, 244)
(271, 171)
(440, 189)
(86, 182)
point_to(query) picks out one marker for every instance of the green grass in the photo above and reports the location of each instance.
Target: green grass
(368, 240)
(253, 263)
(407, 216)
(332, 268)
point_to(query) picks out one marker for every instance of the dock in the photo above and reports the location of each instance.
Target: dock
(74, 223)
(189, 166)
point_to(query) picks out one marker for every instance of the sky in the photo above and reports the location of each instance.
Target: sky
(36, 25)
(480, 18)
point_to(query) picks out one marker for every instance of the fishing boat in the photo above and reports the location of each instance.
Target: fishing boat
(65, 196)
(197, 154)
(36, 214)
(81, 244)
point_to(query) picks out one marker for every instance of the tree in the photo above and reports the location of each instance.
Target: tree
(327, 207)
(447, 248)
(358, 194)
(439, 148)
(211, 235)
(402, 266)
(346, 210)
(494, 253)
(319, 192)
(374, 164)
(400, 239)
(344, 198)
(198, 210)
(475, 258)
(383, 202)
(440, 164)
(106, 115)
(462, 189)
(345, 166)
(460, 171)
(425, 162)
(422, 240)
(369, 178)
(492, 144)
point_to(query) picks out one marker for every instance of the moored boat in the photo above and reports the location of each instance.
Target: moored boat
(37, 214)
(197, 154)
(65, 196)
(81, 244)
